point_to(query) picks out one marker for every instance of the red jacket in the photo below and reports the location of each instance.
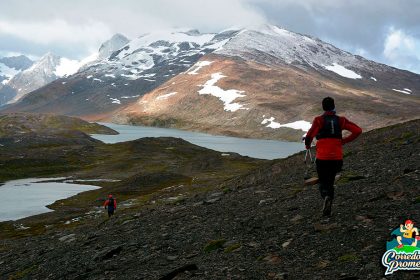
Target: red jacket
(107, 203)
(331, 148)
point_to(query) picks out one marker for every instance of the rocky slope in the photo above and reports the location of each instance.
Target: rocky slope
(262, 225)
(262, 81)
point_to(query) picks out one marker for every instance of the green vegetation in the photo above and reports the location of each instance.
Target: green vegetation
(233, 247)
(214, 245)
(22, 274)
(347, 154)
(350, 176)
(25, 123)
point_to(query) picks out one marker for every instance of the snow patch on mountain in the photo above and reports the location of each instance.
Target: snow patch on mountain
(66, 67)
(7, 72)
(302, 125)
(115, 100)
(128, 97)
(342, 71)
(226, 96)
(271, 123)
(165, 36)
(373, 78)
(130, 77)
(270, 44)
(193, 70)
(218, 45)
(166, 96)
(405, 91)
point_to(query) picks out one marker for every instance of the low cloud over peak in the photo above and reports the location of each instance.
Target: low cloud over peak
(386, 31)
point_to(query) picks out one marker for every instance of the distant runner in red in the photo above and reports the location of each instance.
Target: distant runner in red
(327, 129)
(111, 204)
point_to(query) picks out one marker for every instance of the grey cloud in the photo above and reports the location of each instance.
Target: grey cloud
(352, 25)
(11, 44)
(356, 25)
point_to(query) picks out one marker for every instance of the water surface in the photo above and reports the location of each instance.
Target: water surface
(28, 197)
(257, 148)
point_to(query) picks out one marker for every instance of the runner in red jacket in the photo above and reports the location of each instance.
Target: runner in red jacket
(327, 128)
(111, 204)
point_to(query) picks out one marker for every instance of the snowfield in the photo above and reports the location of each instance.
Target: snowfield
(342, 71)
(226, 96)
(302, 125)
(7, 72)
(67, 67)
(405, 91)
(115, 100)
(166, 96)
(198, 66)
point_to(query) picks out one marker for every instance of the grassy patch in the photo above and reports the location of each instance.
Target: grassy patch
(23, 273)
(351, 257)
(347, 154)
(233, 247)
(294, 190)
(349, 177)
(214, 245)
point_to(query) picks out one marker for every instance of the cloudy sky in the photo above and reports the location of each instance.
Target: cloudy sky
(386, 31)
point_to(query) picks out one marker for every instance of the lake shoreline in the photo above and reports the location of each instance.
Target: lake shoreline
(32, 196)
(256, 148)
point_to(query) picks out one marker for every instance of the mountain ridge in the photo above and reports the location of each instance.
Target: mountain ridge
(105, 89)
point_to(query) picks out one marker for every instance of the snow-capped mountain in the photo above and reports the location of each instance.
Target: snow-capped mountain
(265, 79)
(133, 60)
(19, 62)
(39, 74)
(48, 68)
(10, 66)
(115, 43)
(136, 68)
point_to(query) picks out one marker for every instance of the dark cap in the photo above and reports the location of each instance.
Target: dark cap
(328, 104)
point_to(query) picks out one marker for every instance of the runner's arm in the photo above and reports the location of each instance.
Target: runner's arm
(353, 128)
(312, 132)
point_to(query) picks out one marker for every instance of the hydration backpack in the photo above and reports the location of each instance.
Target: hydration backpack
(331, 128)
(111, 203)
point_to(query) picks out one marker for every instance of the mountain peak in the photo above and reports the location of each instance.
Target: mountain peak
(118, 36)
(193, 32)
(47, 62)
(20, 62)
(114, 43)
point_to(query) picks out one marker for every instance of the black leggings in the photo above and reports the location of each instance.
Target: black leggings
(327, 169)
